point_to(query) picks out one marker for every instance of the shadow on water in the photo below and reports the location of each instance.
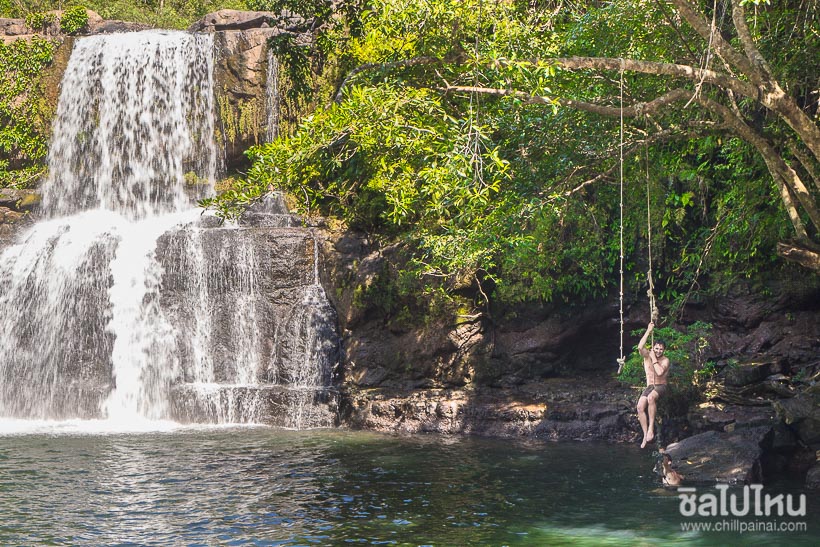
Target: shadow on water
(326, 487)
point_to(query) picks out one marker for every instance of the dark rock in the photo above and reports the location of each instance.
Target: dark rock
(13, 27)
(713, 417)
(270, 212)
(749, 373)
(712, 457)
(785, 439)
(803, 414)
(228, 19)
(813, 478)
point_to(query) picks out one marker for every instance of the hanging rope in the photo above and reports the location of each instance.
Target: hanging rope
(650, 292)
(621, 359)
(474, 144)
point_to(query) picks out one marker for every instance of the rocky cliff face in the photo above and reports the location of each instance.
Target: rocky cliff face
(548, 371)
(250, 94)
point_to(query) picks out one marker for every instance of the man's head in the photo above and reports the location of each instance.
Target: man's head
(659, 347)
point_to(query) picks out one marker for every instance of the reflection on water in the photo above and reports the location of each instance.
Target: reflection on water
(265, 486)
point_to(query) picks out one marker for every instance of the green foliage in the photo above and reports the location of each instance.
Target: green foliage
(685, 350)
(24, 115)
(40, 21)
(177, 14)
(491, 188)
(73, 19)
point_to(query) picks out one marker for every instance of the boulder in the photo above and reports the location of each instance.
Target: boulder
(713, 457)
(715, 417)
(803, 414)
(13, 27)
(749, 373)
(111, 26)
(228, 19)
(21, 201)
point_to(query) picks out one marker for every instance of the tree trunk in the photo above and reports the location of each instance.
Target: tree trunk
(807, 257)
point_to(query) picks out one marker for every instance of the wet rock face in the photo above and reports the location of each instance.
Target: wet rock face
(766, 339)
(259, 286)
(473, 375)
(240, 75)
(813, 478)
(802, 414)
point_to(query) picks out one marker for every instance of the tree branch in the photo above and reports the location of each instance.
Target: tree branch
(805, 256)
(768, 93)
(692, 129)
(659, 69)
(415, 61)
(759, 64)
(783, 175)
(631, 111)
(805, 161)
(724, 49)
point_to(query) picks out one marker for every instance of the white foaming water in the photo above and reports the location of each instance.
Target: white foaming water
(135, 115)
(144, 357)
(272, 102)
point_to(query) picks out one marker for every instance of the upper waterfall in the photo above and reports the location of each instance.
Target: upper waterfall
(134, 124)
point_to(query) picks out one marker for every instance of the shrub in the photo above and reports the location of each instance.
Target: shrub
(74, 19)
(40, 21)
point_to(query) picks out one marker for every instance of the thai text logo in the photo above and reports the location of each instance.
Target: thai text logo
(750, 501)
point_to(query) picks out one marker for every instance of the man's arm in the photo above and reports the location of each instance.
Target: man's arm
(662, 364)
(642, 344)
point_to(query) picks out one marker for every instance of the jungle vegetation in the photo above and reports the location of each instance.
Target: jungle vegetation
(484, 137)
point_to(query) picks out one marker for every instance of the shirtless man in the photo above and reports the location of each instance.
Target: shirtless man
(656, 367)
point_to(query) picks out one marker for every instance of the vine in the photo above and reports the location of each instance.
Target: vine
(24, 114)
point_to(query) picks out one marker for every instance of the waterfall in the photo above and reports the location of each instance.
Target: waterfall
(124, 302)
(272, 102)
(135, 117)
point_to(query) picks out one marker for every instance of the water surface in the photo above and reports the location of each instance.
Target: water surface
(69, 485)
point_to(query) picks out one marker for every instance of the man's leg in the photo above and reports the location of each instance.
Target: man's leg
(641, 408)
(651, 400)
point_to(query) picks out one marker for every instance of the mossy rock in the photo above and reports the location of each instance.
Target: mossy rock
(21, 201)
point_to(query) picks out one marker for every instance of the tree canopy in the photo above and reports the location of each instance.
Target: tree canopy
(485, 136)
